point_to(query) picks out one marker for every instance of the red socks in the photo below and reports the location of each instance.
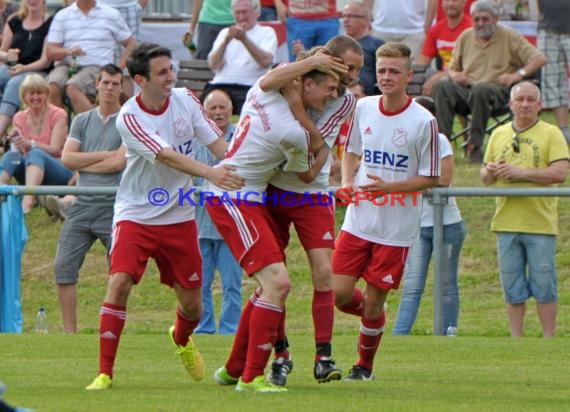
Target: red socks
(371, 332)
(263, 324)
(111, 322)
(183, 327)
(323, 321)
(236, 361)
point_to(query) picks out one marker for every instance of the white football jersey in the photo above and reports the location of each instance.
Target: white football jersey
(395, 147)
(267, 138)
(145, 181)
(328, 122)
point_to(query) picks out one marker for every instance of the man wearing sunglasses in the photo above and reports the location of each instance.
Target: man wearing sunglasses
(527, 152)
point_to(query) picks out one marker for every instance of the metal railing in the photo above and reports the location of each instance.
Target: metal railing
(438, 197)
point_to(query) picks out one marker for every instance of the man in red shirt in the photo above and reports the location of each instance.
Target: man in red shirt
(440, 12)
(441, 39)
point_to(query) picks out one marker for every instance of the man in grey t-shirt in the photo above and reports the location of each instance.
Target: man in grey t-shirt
(94, 149)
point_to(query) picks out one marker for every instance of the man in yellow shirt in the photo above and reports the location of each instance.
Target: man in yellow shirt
(527, 153)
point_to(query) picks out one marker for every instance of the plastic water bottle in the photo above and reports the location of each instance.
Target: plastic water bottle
(452, 331)
(41, 321)
(16, 159)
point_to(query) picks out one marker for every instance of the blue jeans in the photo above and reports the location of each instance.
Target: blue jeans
(10, 87)
(517, 251)
(55, 174)
(216, 254)
(310, 32)
(416, 274)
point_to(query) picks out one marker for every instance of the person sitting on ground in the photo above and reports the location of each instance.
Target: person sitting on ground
(23, 51)
(241, 54)
(38, 137)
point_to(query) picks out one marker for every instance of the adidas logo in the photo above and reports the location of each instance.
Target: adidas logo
(368, 130)
(194, 277)
(108, 335)
(327, 236)
(266, 347)
(388, 278)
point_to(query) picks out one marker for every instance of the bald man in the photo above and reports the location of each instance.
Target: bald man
(527, 152)
(215, 251)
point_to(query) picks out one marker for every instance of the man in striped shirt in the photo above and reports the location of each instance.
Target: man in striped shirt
(83, 38)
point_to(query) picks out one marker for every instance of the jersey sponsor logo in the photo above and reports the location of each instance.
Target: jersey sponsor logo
(193, 277)
(185, 148)
(388, 278)
(379, 157)
(181, 128)
(400, 137)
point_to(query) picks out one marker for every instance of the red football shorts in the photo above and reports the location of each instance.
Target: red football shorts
(173, 247)
(248, 231)
(312, 214)
(382, 266)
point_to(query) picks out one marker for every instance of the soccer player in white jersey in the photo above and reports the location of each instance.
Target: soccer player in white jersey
(272, 133)
(396, 141)
(314, 220)
(158, 127)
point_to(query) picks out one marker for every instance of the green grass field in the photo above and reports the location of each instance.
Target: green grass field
(415, 373)
(481, 369)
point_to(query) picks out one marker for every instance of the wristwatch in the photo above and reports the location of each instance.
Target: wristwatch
(522, 73)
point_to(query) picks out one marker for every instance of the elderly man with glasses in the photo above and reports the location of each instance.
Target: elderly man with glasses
(526, 153)
(356, 24)
(241, 54)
